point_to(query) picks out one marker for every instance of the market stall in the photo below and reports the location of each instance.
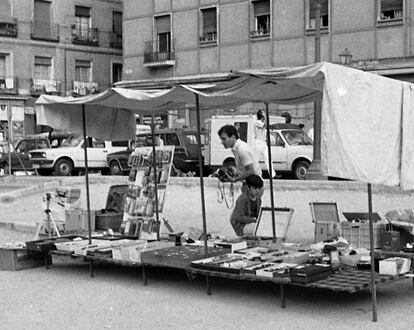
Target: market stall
(354, 103)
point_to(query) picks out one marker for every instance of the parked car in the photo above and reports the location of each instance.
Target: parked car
(69, 158)
(185, 152)
(20, 160)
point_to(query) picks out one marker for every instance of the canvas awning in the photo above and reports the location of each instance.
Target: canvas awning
(366, 118)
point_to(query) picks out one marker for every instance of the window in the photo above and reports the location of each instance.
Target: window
(209, 26)
(120, 143)
(117, 23)
(296, 138)
(241, 128)
(163, 30)
(98, 143)
(276, 140)
(43, 68)
(171, 139)
(42, 19)
(83, 71)
(3, 71)
(261, 10)
(83, 22)
(116, 72)
(390, 10)
(311, 14)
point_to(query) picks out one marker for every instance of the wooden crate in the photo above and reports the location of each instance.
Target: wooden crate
(12, 258)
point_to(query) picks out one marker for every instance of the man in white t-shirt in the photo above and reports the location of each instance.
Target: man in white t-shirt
(244, 156)
(260, 145)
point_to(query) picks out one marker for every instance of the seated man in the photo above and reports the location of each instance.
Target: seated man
(247, 205)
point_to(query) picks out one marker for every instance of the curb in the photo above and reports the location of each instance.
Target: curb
(21, 227)
(29, 190)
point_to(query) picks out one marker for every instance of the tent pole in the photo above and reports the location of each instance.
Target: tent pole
(371, 241)
(200, 164)
(85, 150)
(154, 163)
(269, 155)
(9, 135)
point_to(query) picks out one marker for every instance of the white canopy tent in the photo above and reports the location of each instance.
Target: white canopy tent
(366, 128)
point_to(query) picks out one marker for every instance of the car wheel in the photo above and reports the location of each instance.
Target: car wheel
(63, 167)
(6, 168)
(300, 169)
(115, 169)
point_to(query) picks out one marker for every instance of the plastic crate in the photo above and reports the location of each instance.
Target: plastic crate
(357, 234)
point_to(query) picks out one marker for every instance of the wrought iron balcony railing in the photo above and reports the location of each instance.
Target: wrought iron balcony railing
(45, 86)
(115, 40)
(8, 85)
(260, 33)
(158, 51)
(208, 37)
(85, 36)
(45, 31)
(8, 29)
(82, 88)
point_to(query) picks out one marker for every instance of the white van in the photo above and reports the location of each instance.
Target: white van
(292, 149)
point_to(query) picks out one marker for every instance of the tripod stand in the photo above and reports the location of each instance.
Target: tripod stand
(47, 220)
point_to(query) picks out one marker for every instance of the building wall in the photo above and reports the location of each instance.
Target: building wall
(63, 53)
(352, 25)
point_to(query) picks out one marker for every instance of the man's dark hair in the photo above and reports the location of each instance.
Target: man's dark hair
(260, 114)
(287, 117)
(230, 130)
(254, 181)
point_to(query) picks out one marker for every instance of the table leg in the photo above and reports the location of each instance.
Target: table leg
(91, 268)
(46, 261)
(144, 275)
(208, 285)
(282, 296)
(413, 282)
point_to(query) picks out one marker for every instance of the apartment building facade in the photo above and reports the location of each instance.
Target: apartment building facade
(196, 40)
(71, 47)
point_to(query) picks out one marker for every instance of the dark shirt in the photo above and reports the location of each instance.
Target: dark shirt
(244, 212)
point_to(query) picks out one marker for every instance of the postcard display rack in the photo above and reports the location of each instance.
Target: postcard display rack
(139, 218)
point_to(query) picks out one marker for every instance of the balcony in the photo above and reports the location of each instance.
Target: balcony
(115, 40)
(45, 86)
(261, 33)
(44, 31)
(159, 54)
(82, 88)
(8, 85)
(85, 36)
(8, 29)
(209, 38)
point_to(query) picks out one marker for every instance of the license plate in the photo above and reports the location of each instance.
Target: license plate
(36, 166)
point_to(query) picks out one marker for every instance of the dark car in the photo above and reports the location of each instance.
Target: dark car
(20, 160)
(185, 152)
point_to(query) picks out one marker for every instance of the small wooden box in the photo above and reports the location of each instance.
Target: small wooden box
(18, 258)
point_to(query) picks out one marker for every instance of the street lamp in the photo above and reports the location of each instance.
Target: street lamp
(345, 57)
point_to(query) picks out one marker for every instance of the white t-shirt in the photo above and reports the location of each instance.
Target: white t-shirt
(244, 156)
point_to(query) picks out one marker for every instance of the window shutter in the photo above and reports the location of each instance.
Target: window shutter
(324, 8)
(47, 61)
(2, 66)
(82, 11)
(5, 12)
(42, 18)
(163, 24)
(117, 22)
(261, 8)
(209, 20)
(391, 4)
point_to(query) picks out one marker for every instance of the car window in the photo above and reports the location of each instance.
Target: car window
(276, 139)
(171, 139)
(192, 138)
(42, 144)
(296, 138)
(98, 143)
(141, 141)
(22, 146)
(241, 128)
(120, 143)
(31, 145)
(72, 141)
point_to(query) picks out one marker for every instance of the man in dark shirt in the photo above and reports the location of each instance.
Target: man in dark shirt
(247, 205)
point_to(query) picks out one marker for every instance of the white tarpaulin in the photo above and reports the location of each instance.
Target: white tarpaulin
(366, 118)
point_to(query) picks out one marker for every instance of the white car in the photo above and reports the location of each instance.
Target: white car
(292, 150)
(70, 156)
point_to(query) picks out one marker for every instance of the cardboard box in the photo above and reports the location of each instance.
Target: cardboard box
(394, 266)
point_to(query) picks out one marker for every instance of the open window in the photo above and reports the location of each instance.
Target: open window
(209, 25)
(311, 14)
(261, 20)
(390, 10)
